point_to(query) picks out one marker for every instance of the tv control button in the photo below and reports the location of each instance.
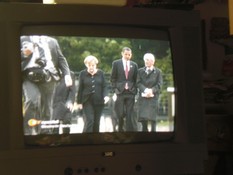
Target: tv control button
(96, 170)
(79, 170)
(68, 171)
(138, 167)
(86, 170)
(103, 169)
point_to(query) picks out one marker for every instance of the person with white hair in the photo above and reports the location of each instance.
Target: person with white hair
(149, 82)
(92, 94)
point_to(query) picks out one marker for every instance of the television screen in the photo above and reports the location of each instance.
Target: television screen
(74, 46)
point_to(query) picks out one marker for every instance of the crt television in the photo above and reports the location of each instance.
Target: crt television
(174, 36)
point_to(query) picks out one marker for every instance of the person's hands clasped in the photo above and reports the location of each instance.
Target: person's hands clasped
(106, 99)
(149, 93)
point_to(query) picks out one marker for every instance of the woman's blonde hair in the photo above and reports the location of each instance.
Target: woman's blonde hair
(90, 59)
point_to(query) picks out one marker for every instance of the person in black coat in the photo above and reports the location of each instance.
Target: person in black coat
(32, 60)
(63, 103)
(149, 82)
(92, 94)
(38, 93)
(123, 79)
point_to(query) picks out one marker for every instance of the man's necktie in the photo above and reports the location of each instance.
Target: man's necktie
(126, 70)
(148, 71)
(126, 74)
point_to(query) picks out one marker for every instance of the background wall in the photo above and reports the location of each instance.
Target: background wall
(215, 53)
(219, 112)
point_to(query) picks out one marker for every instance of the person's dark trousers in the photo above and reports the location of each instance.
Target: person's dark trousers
(31, 104)
(47, 94)
(65, 124)
(145, 124)
(124, 107)
(92, 115)
(66, 127)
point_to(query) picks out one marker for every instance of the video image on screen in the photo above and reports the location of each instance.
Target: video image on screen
(71, 85)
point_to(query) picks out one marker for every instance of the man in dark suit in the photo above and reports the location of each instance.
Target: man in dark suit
(63, 102)
(42, 92)
(57, 66)
(123, 79)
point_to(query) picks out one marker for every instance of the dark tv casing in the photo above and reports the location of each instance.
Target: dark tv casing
(184, 153)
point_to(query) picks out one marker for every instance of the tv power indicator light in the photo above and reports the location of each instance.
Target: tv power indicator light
(108, 154)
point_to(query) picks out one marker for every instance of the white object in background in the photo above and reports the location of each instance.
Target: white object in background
(48, 2)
